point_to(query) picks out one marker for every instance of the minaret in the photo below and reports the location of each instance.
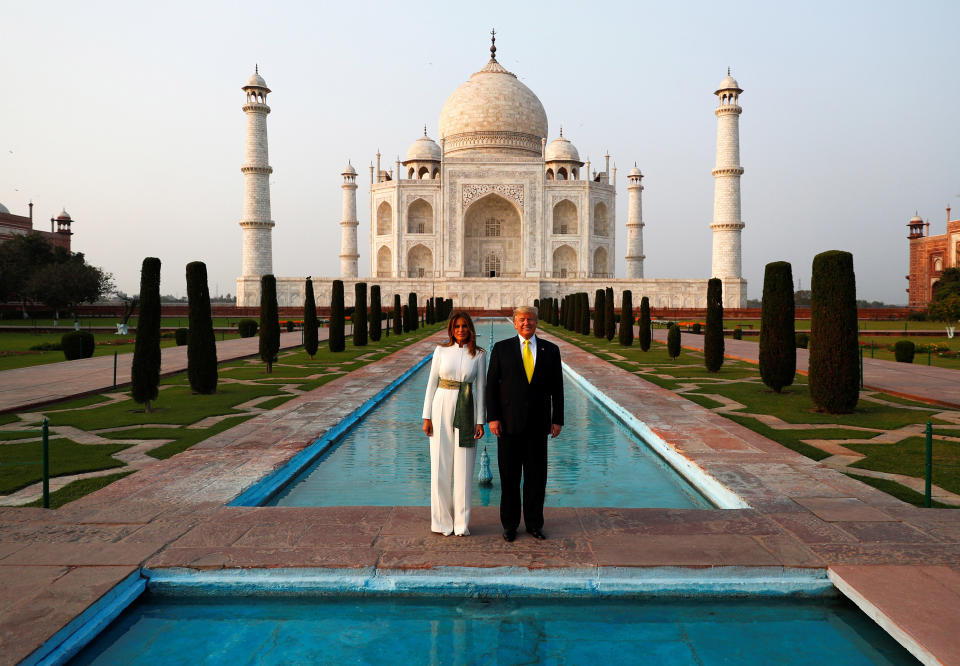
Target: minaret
(348, 224)
(635, 224)
(726, 223)
(256, 223)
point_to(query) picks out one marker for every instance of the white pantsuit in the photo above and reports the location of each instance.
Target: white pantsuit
(451, 465)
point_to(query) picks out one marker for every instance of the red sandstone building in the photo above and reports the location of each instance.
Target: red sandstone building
(14, 225)
(929, 257)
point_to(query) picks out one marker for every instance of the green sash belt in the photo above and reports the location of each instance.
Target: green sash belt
(463, 414)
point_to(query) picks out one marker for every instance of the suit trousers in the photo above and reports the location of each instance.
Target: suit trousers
(522, 457)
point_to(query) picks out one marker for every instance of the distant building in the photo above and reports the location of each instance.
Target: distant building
(15, 225)
(929, 257)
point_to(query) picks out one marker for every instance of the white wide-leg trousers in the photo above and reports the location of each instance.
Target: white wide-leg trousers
(451, 470)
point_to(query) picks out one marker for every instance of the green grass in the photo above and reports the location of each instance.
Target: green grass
(20, 463)
(77, 489)
(8, 435)
(80, 403)
(909, 456)
(275, 402)
(188, 437)
(899, 491)
(793, 439)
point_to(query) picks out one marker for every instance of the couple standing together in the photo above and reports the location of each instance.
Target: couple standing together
(521, 396)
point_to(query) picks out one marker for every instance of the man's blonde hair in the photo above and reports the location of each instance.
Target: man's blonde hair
(525, 310)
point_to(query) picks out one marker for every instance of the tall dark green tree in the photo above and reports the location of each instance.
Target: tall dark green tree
(585, 322)
(376, 313)
(337, 341)
(778, 350)
(556, 312)
(428, 313)
(713, 335)
(626, 318)
(311, 332)
(145, 372)
(360, 314)
(269, 321)
(644, 334)
(414, 311)
(599, 311)
(610, 319)
(201, 341)
(834, 354)
(398, 318)
(406, 319)
(577, 312)
(673, 340)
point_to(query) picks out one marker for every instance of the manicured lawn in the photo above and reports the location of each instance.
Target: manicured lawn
(77, 489)
(178, 439)
(20, 463)
(909, 456)
(901, 492)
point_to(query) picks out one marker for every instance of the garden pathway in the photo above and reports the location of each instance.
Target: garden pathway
(927, 383)
(22, 388)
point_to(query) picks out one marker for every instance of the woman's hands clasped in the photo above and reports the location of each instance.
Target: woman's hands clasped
(428, 429)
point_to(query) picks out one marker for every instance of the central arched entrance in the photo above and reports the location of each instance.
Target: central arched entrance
(491, 229)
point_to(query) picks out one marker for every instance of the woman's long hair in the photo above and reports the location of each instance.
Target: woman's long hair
(471, 340)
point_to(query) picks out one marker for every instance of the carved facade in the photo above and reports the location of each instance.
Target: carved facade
(929, 257)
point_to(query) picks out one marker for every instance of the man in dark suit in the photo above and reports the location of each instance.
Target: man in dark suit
(524, 404)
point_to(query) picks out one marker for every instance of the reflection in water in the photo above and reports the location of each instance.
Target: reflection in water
(385, 459)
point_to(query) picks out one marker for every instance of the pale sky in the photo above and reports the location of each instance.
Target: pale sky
(128, 114)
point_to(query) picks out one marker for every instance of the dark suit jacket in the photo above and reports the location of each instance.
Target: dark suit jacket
(516, 403)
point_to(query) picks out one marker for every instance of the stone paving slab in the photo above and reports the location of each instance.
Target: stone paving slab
(802, 514)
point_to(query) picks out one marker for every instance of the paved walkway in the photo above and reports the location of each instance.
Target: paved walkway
(900, 563)
(928, 383)
(41, 384)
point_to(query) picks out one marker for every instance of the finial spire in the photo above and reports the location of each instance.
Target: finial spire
(256, 68)
(424, 129)
(728, 70)
(493, 45)
(561, 131)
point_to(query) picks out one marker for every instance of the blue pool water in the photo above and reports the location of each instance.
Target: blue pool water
(257, 630)
(385, 459)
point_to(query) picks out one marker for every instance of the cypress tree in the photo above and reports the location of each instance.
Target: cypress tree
(778, 351)
(645, 324)
(406, 319)
(577, 312)
(586, 313)
(311, 334)
(201, 341)
(429, 311)
(360, 314)
(673, 340)
(610, 319)
(556, 311)
(626, 318)
(337, 340)
(599, 310)
(563, 312)
(414, 311)
(713, 335)
(834, 354)
(145, 371)
(269, 321)
(376, 314)
(397, 315)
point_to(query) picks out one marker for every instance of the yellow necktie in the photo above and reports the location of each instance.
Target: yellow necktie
(528, 360)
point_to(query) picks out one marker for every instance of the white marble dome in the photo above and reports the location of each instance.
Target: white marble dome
(561, 150)
(4, 209)
(424, 149)
(493, 110)
(349, 170)
(64, 215)
(729, 83)
(635, 171)
(256, 81)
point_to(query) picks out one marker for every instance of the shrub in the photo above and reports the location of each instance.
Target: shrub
(406, 318)
(835, 358)
(360, 314)
(311, 332)
(802, 340)
(397, 315)
(336, 341)
(609, 319)
(181, 335)
(713, 343)
(695, 328)
(778, 349)
(77, 344)
(673, 341)
(599, 311)
(626, 318)
(428, 311)
(585, 313)
(269, 321)
(738, 333)
(917, 316)
(289, 325)
(145, 371)
(247, 328)
(413, 313)
(47, 346)
(904, 351)
(201, 340)
(644, 324)
(376, 314)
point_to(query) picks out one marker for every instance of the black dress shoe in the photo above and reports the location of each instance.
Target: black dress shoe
(509, 535)
(536, 534)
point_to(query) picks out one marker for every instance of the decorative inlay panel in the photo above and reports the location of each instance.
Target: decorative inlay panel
(473, 192)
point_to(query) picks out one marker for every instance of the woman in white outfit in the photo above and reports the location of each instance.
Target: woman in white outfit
(455, 397)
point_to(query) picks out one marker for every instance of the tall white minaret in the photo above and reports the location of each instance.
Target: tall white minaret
(635, 225)
(256, 223)
(348, 224)
(726, 223)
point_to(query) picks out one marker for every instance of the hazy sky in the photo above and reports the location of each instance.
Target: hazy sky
(128, 114)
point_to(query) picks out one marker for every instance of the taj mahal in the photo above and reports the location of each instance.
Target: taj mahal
(493, 215)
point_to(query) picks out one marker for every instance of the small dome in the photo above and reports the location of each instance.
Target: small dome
(561, 150)
(256, 81)
(64, 215)
(349, 170)
(423, 149)
(916, 219)
(635, 171)
(728, 83)
(4, 209)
